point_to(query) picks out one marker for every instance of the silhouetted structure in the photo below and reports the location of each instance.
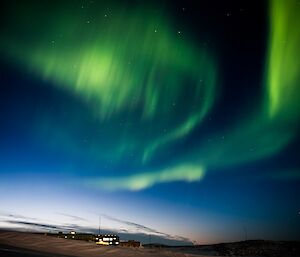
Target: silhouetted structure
(130, 243)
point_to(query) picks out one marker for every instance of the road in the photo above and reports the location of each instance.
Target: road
(9, 251)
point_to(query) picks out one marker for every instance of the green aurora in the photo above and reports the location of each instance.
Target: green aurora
(145, 69)
(273, 124)
(283, 64)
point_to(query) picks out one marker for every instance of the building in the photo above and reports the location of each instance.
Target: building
(77, 236)
(107, 240)
(101, 239)
(130, 243)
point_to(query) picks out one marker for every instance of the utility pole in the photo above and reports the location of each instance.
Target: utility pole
(99, 224)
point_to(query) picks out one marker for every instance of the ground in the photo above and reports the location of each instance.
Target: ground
(17, 244)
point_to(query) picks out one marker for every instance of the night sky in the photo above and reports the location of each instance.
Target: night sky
(175, 119)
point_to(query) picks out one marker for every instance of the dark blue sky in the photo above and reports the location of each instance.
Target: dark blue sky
(165, 118)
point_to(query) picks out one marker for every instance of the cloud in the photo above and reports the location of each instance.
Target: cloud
(15, 216)
(146, 230)
(72, 216)
(36, 224)
(131, 230)
(33, 224)
(184, 172)
(142, 235)
(44, 226)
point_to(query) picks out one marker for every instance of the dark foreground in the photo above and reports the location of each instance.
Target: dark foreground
(11, 251)
(250, 248)
(17, 244)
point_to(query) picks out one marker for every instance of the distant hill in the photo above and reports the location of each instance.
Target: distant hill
(243, 248)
